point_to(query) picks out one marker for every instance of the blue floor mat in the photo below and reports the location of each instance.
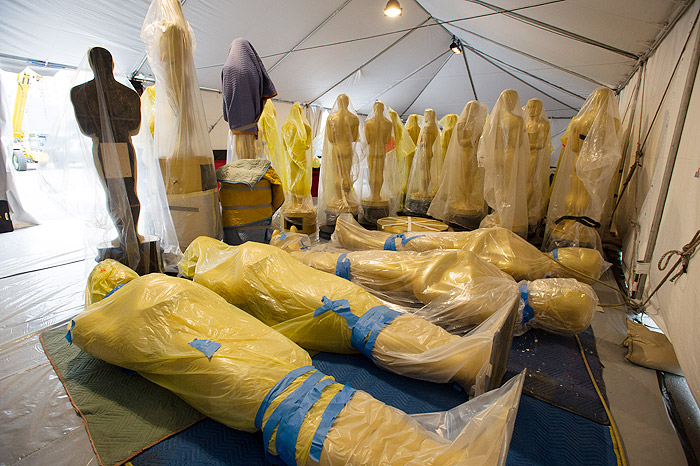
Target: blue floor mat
(557, 373)
(543, 434)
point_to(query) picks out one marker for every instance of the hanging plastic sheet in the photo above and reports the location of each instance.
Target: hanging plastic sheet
(343, 148)
(447, 126)
(424, 179)
(405, 150)
(100, 173)
(296, 165)
(460, 198)
(182, 144)
(379, 183)
(499, 246)
(454, 289)
(586, 169)
(504, 154)
(257, 379)
(323, 312)
(269, 135)
(537, 128)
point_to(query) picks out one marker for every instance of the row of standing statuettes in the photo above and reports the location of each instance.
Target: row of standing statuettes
(456, 170)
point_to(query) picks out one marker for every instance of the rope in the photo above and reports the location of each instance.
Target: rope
(684, 256)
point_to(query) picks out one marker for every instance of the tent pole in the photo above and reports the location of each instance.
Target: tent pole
(426, 86)
(368, 62)
(316, 29)
(670, 163)
(555, 29)
(469, 73)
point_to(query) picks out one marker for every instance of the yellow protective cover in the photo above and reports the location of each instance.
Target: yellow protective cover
(270, 135)
(147, 325)
(405, 149)
(499, 246)
(284, 293)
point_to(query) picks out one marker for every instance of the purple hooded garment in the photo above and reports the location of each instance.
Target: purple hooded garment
(246, 86)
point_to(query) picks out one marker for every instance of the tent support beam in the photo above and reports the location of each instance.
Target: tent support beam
(555, 29)
(469, 73)
(670, 162)
(369, 61)
(308, 36)
(426, 86)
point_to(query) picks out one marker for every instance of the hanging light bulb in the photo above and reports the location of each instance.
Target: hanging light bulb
(392, 8)
(454, 46)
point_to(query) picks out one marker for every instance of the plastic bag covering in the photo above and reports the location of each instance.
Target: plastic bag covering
(379, 182)
(73, 179)
(182, 143)
(148, 108)
(269, 131)
(537, 128)
(148, 326)
(342, 151)
(292, 298)
(447, 125)
(460, 198)
(405, 149)
(298, 209)
(499, 246)
(413, 124)
(583, 182)
(504, 153)
(454, 289)
(427, 164)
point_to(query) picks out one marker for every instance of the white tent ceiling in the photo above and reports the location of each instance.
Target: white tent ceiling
(409, 69)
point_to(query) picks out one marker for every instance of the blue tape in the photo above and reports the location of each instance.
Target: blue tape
(327, 418)
(390, 243)
(555, 254)
(365, 332)
(528, 312)
(283, 236)
(340, 307)
(207, 347)
(69, 337)
(276, 390)
(342, 267)
(113, 290)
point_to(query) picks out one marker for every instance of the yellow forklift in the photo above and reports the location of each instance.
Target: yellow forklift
(22, 150)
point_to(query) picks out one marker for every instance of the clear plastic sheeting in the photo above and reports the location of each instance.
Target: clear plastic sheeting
(499, 246)
(424, 179)
(504, 153)
(585, 173)
(253, 373)
(454, 289)
(460, 197)
(182, 144)
(296, 172)
(412, 128)
(405, 149)
(537, 128)
(447, 126)
(343, 148)
(322, 312)
(379, 182)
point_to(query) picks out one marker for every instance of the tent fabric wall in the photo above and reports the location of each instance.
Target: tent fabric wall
(674, 307)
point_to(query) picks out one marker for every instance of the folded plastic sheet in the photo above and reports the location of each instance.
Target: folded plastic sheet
(240, 372)
(583, 182)
(424, 178)
(452, 288)
(460, 198)
(499, 246)
(504, 154)
(405, 150)
(537, 128)
(323, 312)
(182, 144)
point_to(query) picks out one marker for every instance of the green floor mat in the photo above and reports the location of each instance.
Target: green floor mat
(123, 412)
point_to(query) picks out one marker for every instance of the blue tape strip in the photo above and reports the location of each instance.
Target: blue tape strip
(327, 418)
(390, 243)
(69, 337)
(340, 307)
(283, 236)
(365, 332)
(207, 347)
(276, 390)
(555, 254)
(528, 312)
(342, 267)
(115, 289)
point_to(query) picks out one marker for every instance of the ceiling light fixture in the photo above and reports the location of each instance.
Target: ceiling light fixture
(455, 46)
(392, 8)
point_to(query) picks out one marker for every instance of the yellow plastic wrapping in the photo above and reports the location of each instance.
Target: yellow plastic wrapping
(424, 179)
(148, 108)
(460, 198)
(269, 132)
(585, 173)
(454, 289)
(151, 323)
(182, 143)
(499, 246)
(504, 154)
(447, 125)
(284, 293)
(405, 149)
(537, 128)
(298, 209)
